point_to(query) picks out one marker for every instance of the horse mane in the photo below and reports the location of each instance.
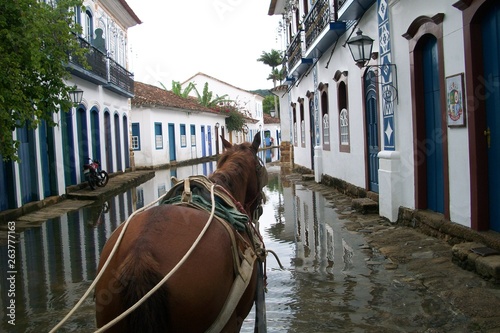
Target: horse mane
(230, 166)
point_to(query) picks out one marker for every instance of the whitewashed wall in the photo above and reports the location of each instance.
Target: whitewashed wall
(149, 155)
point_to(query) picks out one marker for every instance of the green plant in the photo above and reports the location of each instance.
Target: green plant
(36, 38)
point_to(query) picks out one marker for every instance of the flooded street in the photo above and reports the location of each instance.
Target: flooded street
(332, 280)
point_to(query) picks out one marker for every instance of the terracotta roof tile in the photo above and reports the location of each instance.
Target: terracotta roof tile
(150, 96)
(270, 120)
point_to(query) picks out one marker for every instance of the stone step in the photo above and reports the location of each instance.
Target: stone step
(308, 177)
(476, 257)
(365, 205)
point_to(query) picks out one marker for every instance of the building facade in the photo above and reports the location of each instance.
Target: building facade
(167, 128)
(416, 122)
(52, 158)
(249, 102)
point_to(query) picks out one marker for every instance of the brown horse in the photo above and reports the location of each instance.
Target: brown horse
(158, 238)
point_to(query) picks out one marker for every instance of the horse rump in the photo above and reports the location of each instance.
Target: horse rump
(136, 276)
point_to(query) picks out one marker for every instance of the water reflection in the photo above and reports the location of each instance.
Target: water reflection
(326, 285)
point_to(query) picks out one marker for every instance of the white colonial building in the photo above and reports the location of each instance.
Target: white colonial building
(416, 122)
(167, 128)
(52, 158)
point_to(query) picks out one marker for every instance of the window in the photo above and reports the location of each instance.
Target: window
(89, 26)
(323, 88)
(294, 112)
(344, 127)
(344, 137)
(136, 137)
(158, 136)
(302, 123)
(183, 135)
(193, 136)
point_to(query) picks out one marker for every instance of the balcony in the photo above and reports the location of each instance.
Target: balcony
(120, 80)
(96, 71)
(102, 70)
(353, 9)
(297, 63)
(322, 30)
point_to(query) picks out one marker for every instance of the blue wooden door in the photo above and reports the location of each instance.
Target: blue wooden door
(209, 140)
(68, 149)
(95, 134)
(118, 146)
(83, 140)
(7, 188)
(28, 167)
(171, 141)
(433, 131)
(108, 143)
(125, 142)
(491, 51)
(203, 149)
(48, 159)
(372, 135)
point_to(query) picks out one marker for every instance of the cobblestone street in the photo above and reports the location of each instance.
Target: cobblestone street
(421, 262)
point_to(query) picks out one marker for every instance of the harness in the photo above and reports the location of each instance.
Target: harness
(194, 192)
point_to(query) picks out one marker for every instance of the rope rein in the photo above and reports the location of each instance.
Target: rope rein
(115, 247)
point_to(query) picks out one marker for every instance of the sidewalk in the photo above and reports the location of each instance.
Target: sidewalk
(76, 197)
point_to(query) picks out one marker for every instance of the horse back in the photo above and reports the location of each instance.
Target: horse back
(154, 242)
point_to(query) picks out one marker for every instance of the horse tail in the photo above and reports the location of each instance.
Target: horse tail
(141, 271)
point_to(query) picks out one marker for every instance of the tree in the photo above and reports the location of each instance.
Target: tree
(177, 88)
(273, 59)
(36, 39)
(206, 98)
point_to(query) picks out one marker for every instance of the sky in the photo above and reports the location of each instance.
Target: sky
(221, 38)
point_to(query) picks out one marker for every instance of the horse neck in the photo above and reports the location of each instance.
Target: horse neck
(236, 186)
(236, 183)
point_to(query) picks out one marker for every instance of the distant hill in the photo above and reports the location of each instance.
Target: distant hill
(262, 92)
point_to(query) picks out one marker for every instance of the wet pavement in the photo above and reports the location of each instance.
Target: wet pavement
(422, 289)
(420, 262)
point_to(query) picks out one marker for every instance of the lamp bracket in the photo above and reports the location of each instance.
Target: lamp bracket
(379, 76)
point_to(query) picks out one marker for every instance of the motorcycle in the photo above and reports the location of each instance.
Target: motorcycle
(95, 176)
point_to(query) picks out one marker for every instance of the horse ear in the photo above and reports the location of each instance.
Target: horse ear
(226, 143)
(256, 142)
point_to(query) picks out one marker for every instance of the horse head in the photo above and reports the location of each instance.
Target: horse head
(241, 172)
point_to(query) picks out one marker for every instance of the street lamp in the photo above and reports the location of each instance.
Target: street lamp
(361, 51)
(76, 95)
(217, 125)
(361, 48)
(272, 112)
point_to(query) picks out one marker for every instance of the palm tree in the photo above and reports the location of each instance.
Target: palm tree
(273, 59)
(177, 88)
(206, 98)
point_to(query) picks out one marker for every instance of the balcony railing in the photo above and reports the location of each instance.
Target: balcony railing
(120, 77)
(96, 61)
(319, 17)
(102, 70)
(294, 52)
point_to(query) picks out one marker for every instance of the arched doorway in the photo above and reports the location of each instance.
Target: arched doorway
(125, 142)
(118, 146)
(83, 140)
(432, 147)
(430, 150)
(372, 126)
(481, 19)
(108, 142)
(491, 53)
(69, 158)
(95, 134)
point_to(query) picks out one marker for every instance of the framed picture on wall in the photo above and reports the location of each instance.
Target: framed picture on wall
(455, 100)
